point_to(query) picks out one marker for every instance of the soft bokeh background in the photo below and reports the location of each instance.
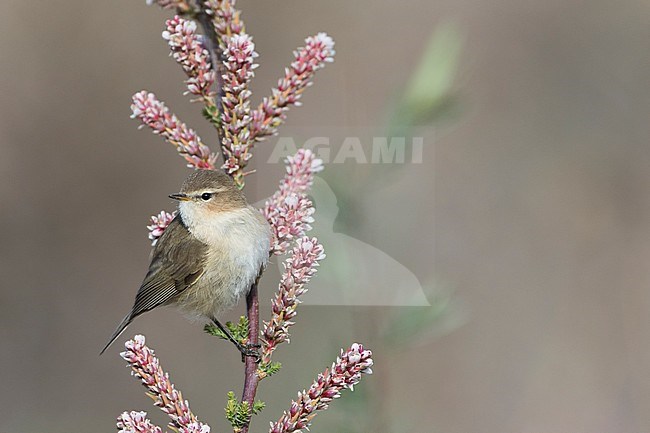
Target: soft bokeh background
(531, 210)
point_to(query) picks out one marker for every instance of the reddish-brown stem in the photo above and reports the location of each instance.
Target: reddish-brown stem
(251, 379)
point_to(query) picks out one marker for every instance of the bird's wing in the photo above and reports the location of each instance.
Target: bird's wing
(178, 261)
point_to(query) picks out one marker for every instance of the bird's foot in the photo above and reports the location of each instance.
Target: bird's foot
(250, 350)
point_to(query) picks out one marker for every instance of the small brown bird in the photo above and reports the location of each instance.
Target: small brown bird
(209, 255)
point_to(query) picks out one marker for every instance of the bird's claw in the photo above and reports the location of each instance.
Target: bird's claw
(251, 350)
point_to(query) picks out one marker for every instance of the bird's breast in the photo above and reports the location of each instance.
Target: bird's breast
(238, 247)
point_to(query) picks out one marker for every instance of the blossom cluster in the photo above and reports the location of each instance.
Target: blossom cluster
(239, 125)
(146, 367)
(239, 64)
(136, 422)
(289, 211)
(271, 113)
(226, 19)
(156, 116)
(299, 268)
(344, 373)
(158, 225)
(220, 68)
(186, 48)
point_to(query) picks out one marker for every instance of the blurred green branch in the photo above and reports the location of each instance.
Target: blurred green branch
(428, 96)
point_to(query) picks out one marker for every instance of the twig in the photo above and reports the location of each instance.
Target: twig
(251, 379)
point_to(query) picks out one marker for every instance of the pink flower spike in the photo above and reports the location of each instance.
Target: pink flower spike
(136, 422)
(345, 373)
(158, 225)
(225, 18)
(299, 268)
(289, 211)
(271, 113)
(156, 116)
(146, 367)
(238, 65)
(194, 58)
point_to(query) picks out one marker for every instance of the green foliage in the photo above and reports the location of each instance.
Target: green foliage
(258, 407)
(213, 330)
(239, 414)
(428, 95)
(211, 113)
(269, 369)
(239, 331)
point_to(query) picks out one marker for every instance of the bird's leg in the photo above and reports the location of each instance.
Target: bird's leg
(246, 350)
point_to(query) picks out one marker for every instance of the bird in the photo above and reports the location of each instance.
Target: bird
(208, 257)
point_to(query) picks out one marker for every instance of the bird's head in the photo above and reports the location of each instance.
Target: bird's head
(206, 194)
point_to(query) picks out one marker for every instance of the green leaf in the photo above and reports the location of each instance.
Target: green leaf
(270, 368)
(239, 331)
(238, 414)
(429, 91)
(258, 407)
(211, 113)
(215, 331)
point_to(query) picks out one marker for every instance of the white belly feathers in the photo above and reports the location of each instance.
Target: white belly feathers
(239, 243)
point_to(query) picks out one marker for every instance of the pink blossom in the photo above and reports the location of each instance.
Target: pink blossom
(194, 58)
(289, 211)
(238, 66)
(344, 373)
(271, 113)
(158, 225)
(146, 367)
(136, 422)
(156, 116)
(225, 18)
(299, 268)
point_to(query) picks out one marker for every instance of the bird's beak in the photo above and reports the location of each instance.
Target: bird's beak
(180, 197)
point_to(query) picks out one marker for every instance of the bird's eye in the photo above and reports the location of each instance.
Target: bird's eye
(206, 196)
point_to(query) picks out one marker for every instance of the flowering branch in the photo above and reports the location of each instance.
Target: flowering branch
(146, 367)
(289, 211)
(226, 19)
(136, 422)
(156, 116)
(298, 270)
(158, 225)
(238, 63)
(344, 373)
(220, 67)
(271, 113)
(194, 58)
(300, 175)
(220, 21)
(239, 127)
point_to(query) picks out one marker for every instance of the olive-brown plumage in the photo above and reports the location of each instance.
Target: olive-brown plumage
(209, 255)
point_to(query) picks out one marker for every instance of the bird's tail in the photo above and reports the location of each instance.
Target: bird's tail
(122, 326)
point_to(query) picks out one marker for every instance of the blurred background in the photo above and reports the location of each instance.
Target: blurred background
(527, 224)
